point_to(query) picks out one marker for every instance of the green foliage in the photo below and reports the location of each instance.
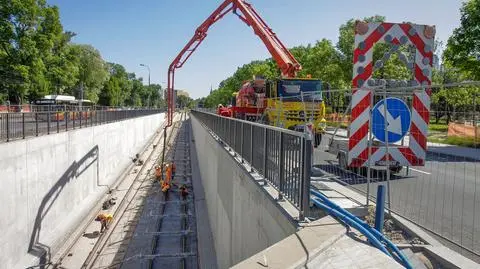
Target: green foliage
(184, 101)
(438, 127)
(31, 37)
(346, 43)
(456, 140)
(92, 72)
(463, 47)
(37, 58)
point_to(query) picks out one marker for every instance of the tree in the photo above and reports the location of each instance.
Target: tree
(346, 43)
(31, 39)
(184, 101)
(157, 96)
(463, 47)
(92, 72)
(37, 58)
(118, 86)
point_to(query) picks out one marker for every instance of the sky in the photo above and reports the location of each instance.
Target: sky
(153, 32)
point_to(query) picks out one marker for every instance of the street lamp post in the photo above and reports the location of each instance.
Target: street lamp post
(148, 67)
(144, 65)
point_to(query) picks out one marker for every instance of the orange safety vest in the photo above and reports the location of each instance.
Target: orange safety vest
(169, 174)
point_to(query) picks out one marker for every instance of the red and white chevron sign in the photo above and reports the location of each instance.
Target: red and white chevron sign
(366, 36)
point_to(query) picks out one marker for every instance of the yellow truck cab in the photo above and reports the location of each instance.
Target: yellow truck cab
(294, 103)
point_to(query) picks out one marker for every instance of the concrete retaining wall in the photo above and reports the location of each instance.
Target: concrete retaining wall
(244, 219)
(50, 183)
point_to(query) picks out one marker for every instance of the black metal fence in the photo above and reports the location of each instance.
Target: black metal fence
(19, 125)
(282, 156)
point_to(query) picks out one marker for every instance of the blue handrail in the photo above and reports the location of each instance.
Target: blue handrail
(377, 235)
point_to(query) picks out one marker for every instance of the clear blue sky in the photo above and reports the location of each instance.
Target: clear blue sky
(153, 31)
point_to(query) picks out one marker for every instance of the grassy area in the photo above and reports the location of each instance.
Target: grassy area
(438, 127)
(458, 141)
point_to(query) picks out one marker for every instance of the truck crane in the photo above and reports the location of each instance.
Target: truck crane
(287, 102)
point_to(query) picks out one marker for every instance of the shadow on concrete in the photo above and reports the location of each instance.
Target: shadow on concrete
(92, 235)
(77, 168)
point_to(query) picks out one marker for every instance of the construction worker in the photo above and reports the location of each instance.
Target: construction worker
(105, 220)
(174, 169)
(184, 191)
(158, 172)
(168, 174)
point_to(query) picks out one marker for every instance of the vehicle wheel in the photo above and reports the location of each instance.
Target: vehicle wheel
(318, 139)
(395, 169)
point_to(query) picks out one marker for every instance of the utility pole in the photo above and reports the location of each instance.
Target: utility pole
(81, 95)
(148, 67)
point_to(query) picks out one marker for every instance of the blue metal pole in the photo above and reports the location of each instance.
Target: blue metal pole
(380, 209)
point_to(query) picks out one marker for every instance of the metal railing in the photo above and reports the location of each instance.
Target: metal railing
(281, 156)
(441, 195)
(20, 125)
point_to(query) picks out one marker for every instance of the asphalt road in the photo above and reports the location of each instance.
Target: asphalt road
(441, 196)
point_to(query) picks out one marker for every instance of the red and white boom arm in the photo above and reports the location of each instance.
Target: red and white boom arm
(288, 65)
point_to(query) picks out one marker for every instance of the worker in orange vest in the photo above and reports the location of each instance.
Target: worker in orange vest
(104, 219)
(168, 173)
(165, 182)
(158, 172)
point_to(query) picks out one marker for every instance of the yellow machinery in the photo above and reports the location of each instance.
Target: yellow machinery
(295, 103)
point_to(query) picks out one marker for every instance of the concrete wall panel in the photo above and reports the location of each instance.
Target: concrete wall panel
(50, 183)
(244, 218)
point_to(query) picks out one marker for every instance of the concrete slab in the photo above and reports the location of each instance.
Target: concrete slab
(324, 243)
(345, 202)
(51, 183)
(416, 263)
(243, 212)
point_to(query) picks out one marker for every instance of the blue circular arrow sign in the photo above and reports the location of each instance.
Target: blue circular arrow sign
(396, 118)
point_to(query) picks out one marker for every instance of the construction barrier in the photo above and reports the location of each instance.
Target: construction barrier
(463, 130)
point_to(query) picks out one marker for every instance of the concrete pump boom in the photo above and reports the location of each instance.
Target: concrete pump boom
(288, 65)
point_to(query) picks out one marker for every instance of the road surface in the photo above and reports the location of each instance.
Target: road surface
(441, 196)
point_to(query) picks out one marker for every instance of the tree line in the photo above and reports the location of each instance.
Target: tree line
(38, 57)
(332, 63)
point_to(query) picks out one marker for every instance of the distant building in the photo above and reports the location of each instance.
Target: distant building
(182, 92)
(176, 93)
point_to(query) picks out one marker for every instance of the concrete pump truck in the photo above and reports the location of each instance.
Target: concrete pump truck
(289, 102)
